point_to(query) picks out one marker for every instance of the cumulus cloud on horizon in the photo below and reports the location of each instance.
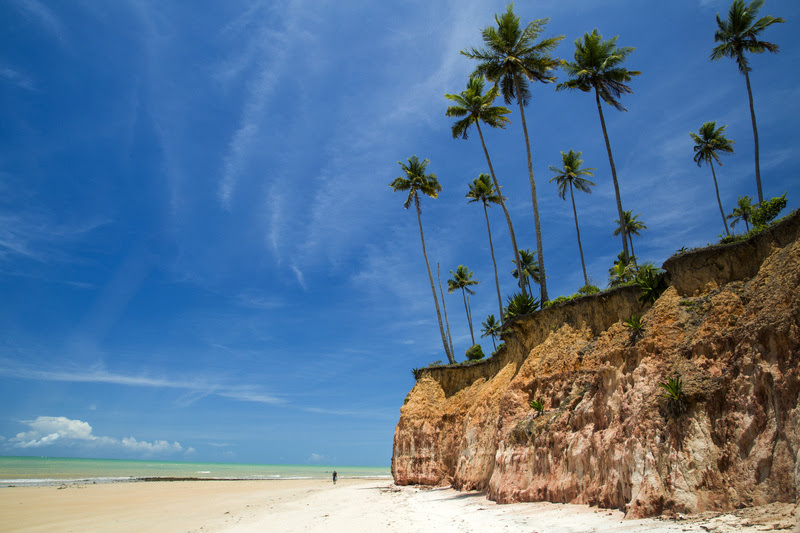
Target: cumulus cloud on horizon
(48, 430)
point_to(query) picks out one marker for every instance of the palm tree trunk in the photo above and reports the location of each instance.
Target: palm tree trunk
(469, 318)
(447, 350)
(633, 252)
(614, 177)
(542, 274)
(755, 136)
(444, 306)
(721, 212)
(491, 249)
(577, 229)
(505, 212)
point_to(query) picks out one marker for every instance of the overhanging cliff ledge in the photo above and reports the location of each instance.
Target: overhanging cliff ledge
(728, 325)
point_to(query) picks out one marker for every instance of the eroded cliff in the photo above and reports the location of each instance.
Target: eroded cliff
(728, 325)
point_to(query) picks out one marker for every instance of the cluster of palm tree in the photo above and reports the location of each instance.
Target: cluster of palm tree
(512, 59)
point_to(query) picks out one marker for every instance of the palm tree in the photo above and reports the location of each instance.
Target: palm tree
(530, 269)
(513, 58)
(491, 328)
(474, 107)
(415, 182)
(630, 228)
(598, 67)
(571, 175)
(739, 34)
(707, 147)
(743, 211)
(481, 190)
(462, 279)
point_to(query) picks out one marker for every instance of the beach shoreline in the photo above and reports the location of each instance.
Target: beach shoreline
(246, 506)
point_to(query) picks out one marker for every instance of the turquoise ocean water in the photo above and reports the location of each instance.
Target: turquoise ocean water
(21, 471)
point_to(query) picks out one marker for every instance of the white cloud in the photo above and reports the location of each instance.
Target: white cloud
(48, 430)
(316, 458)
(198, 388)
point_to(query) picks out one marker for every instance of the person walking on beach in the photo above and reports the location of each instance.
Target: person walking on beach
(335, 476)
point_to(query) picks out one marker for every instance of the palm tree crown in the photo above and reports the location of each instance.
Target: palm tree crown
(512, 56)
(710, 142)
(739, 34)
(570, 176)
(743, 211)
(491, 328)
(416, 181)
(475, 106)
(631, 227)
(530, 267)
(462, 279)
(598, 66)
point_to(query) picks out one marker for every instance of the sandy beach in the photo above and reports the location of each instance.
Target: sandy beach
(317, 506)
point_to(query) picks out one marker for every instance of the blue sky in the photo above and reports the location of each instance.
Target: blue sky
(200, 256)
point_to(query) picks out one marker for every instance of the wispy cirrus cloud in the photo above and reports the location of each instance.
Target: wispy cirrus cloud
(44, 16)
(196, 388)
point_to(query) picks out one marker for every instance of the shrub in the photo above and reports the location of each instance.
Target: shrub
(676, 399)
(417, 373)
(635, 325)
(651, 281)
(538, 406)
(767, 211)
(474, 353)
(588, 289)
(500, 347)
(520, 304)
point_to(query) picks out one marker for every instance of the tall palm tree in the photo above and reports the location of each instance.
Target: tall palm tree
(474, 107)
(481, 190)
(630, 228)
(491, 328)
(707, 146)
(739, 34)
(462, 279)
(571, 175)
(530, 269)
(598, 67)
(743, 211)
(415, 181)
(513, 58)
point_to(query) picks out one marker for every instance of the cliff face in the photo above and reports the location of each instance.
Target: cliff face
(728, 325)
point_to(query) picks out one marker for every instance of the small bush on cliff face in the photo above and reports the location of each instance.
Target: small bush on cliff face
(676, 399)
(417, 373)
(538, 406)
(588, 289)
(634, 324)
(651, 281)
(474, 353)
(520, 304)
